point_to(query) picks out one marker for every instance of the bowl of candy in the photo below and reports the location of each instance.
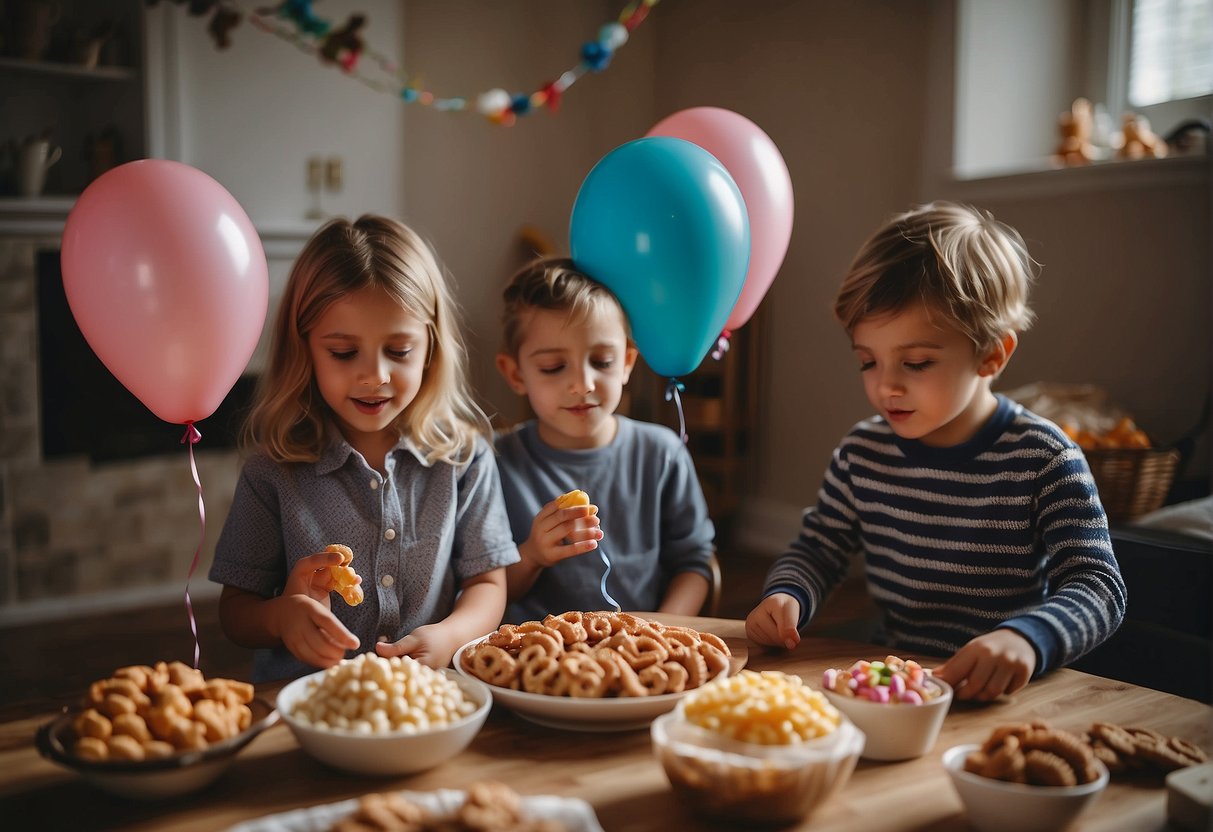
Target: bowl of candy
(757, 747)
(154, 732)
(1025, 778)
(384, 716)
(898, 705)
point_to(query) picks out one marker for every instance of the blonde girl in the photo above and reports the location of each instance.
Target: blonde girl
(363, 432)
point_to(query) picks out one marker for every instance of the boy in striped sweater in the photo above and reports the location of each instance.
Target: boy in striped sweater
(981, 527)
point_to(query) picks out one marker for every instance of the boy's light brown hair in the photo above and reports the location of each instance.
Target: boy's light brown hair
(956, 259)
(555, 284)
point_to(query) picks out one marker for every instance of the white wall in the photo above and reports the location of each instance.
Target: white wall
(251, 115)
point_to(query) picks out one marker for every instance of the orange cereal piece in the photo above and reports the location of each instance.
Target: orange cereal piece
(342, 578)
(576, 497)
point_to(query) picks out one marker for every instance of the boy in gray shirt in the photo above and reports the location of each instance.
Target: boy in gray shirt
(567, 349)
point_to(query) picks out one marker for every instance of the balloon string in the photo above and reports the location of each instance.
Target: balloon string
(606, 595)
(192, 437)
(671, 392)
(722, 345)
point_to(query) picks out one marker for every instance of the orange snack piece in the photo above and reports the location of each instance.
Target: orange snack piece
(576, 497)
(343, 579)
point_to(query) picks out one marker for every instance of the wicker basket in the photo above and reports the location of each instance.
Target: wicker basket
(1132, 481)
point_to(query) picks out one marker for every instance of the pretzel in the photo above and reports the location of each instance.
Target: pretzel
(342, 578)
(596, 654)
(487, 807)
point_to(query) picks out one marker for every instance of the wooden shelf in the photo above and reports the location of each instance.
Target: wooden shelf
(70, 71)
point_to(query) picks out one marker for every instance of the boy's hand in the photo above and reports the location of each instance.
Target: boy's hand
(430, 644)
(1001, 661)
(559, 533)
(773, 621)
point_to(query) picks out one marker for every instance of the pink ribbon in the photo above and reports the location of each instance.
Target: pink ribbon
(192, 437)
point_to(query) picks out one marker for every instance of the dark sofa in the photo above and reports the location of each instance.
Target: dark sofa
(1166, 640)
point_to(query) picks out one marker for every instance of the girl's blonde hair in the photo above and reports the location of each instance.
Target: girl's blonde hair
(289, 416)
(957, 259)
(552, 283)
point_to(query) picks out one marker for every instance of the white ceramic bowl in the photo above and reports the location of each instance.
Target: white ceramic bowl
(996, 806)
(720, 777)
(157, 779)
(388, 753)
(896, 731)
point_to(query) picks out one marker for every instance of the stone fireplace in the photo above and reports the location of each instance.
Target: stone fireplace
(100, 517)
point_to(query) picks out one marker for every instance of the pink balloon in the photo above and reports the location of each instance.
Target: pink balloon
(167, 279)
(755, 164)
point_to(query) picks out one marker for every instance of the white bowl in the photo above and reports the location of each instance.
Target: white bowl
(720, 777)
(896, 731)
(569, 713)
(156, 779)
(997, 806)
(388, 753)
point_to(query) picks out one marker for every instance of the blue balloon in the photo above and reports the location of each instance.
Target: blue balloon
(661, 223)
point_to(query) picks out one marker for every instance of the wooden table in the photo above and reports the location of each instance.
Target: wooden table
(616, 773)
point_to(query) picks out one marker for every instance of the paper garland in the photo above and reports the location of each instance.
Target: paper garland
(345, 48)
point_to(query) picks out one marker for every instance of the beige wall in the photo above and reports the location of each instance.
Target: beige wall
(471, 184)
(857, 98)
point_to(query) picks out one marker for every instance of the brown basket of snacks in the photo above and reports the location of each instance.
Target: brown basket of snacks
(1133, 478)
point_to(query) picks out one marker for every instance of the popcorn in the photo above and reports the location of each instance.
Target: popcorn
(370, 694)
(768, 708)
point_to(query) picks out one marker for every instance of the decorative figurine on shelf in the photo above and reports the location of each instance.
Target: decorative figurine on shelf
(1137, 140)
(1075, 126)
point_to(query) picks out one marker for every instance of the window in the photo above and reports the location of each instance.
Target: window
(1171, 52)
(1020, 64)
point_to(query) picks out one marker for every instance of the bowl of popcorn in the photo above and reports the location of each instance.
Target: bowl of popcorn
(897, 704)
(757, 747)
(1025, 778)
(158, 731)
(384, 716)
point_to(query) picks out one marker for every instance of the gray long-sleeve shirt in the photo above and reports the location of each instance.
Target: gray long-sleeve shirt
(654, 517)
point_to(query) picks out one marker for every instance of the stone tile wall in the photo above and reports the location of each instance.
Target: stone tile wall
(74, 534)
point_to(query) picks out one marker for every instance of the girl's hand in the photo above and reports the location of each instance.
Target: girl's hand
(773, 621)
(559, 533)
(311, 632)
(306, 623)
(1001, 661)
(312, 578)
(433, 645)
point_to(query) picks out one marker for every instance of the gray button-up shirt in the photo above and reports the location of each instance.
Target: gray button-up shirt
(416, 533)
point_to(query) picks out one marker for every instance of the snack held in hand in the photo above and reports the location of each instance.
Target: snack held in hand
(768, 708)
(894, 681)
(343, 578)
(371, 694)
(144, 712)
(592, 655)
(569, 499)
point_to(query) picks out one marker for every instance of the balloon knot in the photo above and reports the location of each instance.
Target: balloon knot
(722, 345)
(675, 386)
(192, 436)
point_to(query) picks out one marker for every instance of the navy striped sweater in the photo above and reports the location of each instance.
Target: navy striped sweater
(1005, 530)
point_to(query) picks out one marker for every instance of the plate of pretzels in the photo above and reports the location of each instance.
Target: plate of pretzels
(593, 671)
